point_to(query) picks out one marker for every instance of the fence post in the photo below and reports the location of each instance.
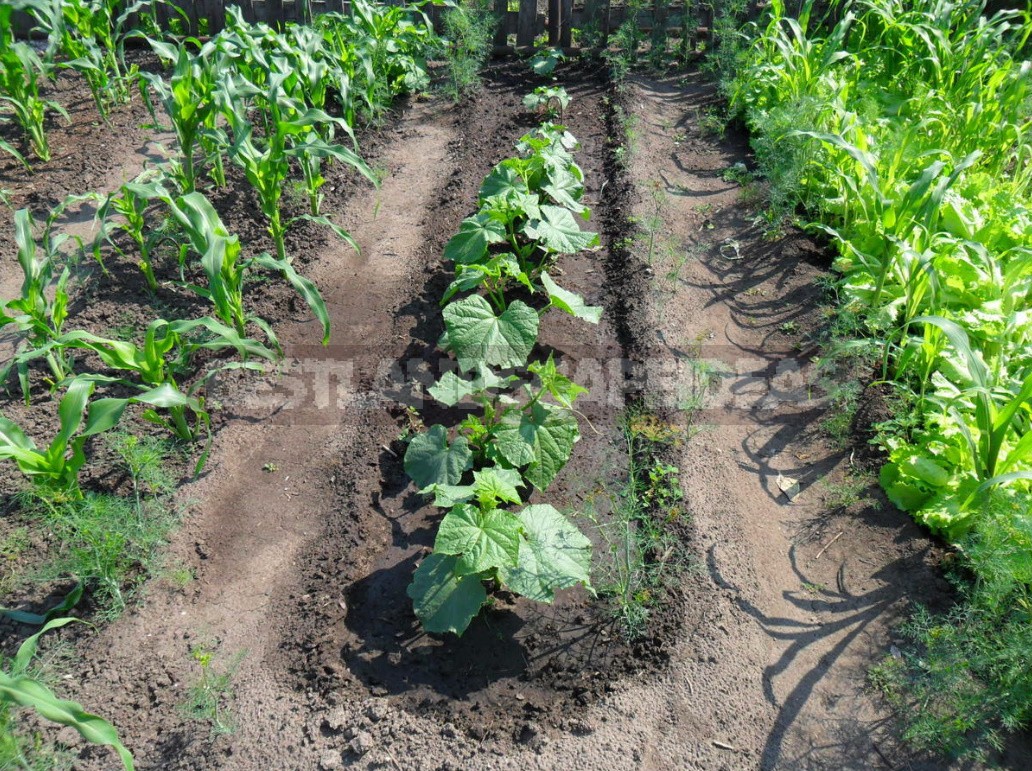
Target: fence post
(566, 23)
(525, 26)
(552, 22)
(501, 10)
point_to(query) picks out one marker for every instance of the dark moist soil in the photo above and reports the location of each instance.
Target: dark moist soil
(519, 661)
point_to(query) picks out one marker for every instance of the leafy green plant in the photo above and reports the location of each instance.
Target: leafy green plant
(548, 101)
(525, 213)
(901, 130)
(91, 34)
(546, 60)
(525, 221)
(20, 70)
(57, 465)
(468, 31)
(18, 688)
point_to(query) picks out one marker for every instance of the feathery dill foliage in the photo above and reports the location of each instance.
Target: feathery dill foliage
(469, 28)
(902, 130)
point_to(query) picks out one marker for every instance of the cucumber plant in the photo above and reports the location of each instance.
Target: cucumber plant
(519, 438)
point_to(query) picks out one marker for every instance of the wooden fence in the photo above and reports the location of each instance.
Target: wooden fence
(521, 21)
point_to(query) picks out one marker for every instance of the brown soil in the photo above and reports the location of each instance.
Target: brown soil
(303, 531)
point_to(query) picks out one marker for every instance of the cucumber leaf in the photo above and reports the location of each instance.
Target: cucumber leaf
(558, 231)
(483, 540)
(430, 459)
(475, 233)
(477, 336)
(443, 600)
(570, 302)
(554, 555)
(541, 438)
(452, 389)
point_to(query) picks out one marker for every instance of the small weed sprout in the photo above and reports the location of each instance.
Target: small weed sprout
(210, 699)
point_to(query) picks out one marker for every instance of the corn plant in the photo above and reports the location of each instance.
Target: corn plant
(150, 364)
(131, 202)
(267, 163)
(20, 70)
(91, 35)
(227, 270)
(189, 97)
(18, 687)
(38, 318)
(57, 465)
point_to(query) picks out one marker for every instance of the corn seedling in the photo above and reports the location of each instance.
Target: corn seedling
(18, 688)
(227, 270)
(20, 70)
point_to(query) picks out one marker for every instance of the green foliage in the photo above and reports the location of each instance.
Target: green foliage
(526, 219)
(548, 101)
(90, 35)
(469, 28)
(901, 130)
(20, 71)
(966, 683)
(36, 315)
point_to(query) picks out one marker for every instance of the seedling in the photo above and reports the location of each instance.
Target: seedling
(550, 102)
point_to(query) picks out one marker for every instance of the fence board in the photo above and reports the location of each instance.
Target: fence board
(566, 23)
(526, 27)
(501, 9)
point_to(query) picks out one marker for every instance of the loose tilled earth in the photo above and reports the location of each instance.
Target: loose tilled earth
(303, 531)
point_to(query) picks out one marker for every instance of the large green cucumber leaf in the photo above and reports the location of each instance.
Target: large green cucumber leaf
(452, 389)
(554, 555)
(566, 189)
(477, 336)
(443, 600)
(430, 459)
(570, 302)
(483, 540)
(475, 233)
(540, 438)
(490, 486)
(558, 231)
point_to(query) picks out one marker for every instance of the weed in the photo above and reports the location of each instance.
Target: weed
(737, 173)
(108, 541)
(848, 492)
(712, 122)
(639, 537)
(844, 399)
(210, 699)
